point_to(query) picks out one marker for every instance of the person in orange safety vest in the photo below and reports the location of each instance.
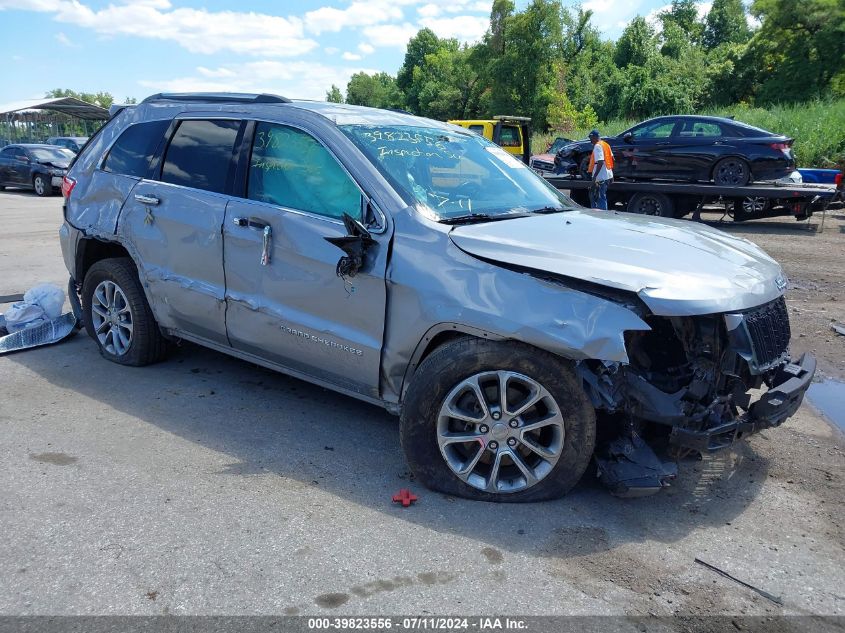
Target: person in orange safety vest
(600, 170)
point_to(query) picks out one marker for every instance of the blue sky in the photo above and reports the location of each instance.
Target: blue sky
(133, 48)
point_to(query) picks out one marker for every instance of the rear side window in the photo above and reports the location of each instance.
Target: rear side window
(478, 129)
(132, 151)
(200, 154)
(700, 129)
(292, 169)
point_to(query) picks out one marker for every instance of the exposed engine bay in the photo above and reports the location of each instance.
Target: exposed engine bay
(697, 378)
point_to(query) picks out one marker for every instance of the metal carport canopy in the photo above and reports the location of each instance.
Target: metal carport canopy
(66, 105)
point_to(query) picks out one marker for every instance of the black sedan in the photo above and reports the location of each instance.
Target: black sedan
(38, 167)
(693, 148)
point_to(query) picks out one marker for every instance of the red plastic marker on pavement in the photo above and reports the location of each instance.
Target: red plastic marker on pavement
(405, 497)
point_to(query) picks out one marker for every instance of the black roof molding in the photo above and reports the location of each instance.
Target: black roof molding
(216, 97)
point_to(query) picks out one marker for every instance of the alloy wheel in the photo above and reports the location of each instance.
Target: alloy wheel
(500, 431)
(731, 172)
(112, 318)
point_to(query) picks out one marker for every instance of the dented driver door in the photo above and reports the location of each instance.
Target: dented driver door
(286, 302)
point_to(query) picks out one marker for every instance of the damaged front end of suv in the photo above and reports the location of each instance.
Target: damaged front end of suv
(708, 380)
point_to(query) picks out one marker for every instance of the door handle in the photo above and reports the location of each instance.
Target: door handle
(266, 235)
(146, 199)
(250, 223)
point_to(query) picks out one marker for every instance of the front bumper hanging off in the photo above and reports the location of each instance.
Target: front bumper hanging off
(776, 405)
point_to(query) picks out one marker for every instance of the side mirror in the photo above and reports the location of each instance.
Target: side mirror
(628, 138)
(23, 159)
(354, 244)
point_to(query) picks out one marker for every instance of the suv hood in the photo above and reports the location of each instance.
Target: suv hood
(677, 267)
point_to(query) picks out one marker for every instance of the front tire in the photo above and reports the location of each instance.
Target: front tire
(117, 316)
(43, 185)
(461, 437)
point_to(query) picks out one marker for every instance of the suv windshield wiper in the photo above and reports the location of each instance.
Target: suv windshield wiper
(550, 210)
(469, 218)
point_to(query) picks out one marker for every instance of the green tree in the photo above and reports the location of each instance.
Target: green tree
(447, 83)
(102, 99)
(334, 95)
(636, 45)
(684, 14)
(798, 49)
(425, 42)
(375, 91)
(726, 23)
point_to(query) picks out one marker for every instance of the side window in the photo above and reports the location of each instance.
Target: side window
(200, 153)
(700, 129)
(659, 129)
(509, 137)
(478, 129)
(291, 169)
(132, 151)
(8, 152)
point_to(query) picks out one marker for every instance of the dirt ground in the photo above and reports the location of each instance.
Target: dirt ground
(813, 258)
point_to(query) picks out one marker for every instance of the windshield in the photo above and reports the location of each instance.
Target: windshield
(558, 145)
(451, 174)
(51, 153)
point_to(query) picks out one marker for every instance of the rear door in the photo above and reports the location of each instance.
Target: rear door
(175, 225)
(285, 300)
(698, 144)
(8, 155)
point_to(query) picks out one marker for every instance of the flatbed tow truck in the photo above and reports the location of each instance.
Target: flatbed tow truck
(677, 199)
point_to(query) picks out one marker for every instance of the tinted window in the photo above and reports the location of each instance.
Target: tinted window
(200, 154)
(700, 129)
(509, 137)
(8, 152)
(133, 150)
(291, 169)
(656, 129)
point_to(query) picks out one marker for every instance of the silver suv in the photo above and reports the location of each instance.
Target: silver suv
(417, 266)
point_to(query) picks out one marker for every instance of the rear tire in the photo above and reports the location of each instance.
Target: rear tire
(542, 448)
(43, 185)
(117, 316)
(732, 172)
(650, 203)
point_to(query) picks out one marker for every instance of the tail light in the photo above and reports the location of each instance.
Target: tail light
(67, 186)
(782, 146)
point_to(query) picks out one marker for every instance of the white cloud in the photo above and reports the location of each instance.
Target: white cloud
(197, 30)
(366, 48)
(352, 57)
(294, 79)
(331, 50)
(466, 28)
(384, 35)
(429, 10)
(356, 14)
(64, 40)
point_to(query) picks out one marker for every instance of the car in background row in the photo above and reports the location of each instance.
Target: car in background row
(546, 162)
(73, 143)
(693, 148)
(34, 166)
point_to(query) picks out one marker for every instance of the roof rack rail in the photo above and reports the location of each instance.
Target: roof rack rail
(216, 97)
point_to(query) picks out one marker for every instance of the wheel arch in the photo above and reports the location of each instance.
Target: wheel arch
(90, 250)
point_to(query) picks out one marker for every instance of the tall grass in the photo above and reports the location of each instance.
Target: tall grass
(818, 128)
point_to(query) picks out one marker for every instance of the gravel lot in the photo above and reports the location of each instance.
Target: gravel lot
(205, 485)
